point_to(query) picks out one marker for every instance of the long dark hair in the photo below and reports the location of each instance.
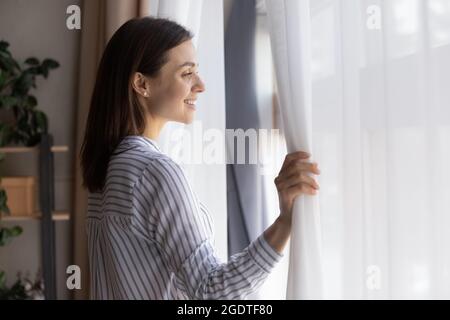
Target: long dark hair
(139, 45)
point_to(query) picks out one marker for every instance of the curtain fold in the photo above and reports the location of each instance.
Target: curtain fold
(289, 25)
(100, 19)
(247, 216)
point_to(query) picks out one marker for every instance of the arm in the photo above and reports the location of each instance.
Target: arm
(278, 234)
(176, 223)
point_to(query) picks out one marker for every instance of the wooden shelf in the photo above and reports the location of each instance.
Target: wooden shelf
(54, 149)
(57, 216)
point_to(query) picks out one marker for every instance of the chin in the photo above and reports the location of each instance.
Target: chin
(188, 121)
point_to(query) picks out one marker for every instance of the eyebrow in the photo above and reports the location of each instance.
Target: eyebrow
(188, 63)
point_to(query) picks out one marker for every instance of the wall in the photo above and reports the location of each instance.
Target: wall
(38, 28)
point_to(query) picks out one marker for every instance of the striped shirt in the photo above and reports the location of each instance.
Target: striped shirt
(149, 237)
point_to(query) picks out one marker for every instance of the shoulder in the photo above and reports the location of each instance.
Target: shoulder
(164, 172)
(129, 163)
(134, 153)
(164, 186)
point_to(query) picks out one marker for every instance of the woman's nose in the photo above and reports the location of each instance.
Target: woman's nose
(199, 86)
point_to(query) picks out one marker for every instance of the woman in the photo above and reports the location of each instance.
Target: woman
(148, 235)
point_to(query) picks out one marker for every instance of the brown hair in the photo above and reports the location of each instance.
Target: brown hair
(139, 45)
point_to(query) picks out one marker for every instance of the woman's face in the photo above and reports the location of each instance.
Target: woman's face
(173, 94)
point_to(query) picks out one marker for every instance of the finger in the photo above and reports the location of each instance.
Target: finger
(302, 178)
(302, 188)
(299, 178)
(299, 166)
(295, 156)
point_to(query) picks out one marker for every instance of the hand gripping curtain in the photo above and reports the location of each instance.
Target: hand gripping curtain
(289, 26)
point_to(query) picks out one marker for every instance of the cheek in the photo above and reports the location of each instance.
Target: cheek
(180, 89)
(169, 99)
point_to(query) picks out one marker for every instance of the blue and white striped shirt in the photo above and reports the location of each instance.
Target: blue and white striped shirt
(149, 237)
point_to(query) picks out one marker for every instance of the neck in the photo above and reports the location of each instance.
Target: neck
(154, 127)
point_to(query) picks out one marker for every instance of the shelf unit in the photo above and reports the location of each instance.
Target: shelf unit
(57, 216)
(47, 214)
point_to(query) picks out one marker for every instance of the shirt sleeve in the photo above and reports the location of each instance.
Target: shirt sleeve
(177, 225)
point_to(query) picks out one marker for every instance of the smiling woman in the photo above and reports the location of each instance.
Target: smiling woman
(149, 237)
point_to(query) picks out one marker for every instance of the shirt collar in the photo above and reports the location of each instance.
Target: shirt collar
(142, 140)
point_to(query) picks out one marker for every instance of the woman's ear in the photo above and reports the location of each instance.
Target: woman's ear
(140, 84)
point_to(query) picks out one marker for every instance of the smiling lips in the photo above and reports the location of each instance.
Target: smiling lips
(190, 102)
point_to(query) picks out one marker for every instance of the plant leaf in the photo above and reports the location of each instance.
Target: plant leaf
(50, 64)
(6, 234)
(41, 121)
(44, 72)
(16, 231)
(3, 45)
(5, 134)
(31, 101)
(3, 76)
(3, 202)
(32, 61)
(2, 279)
(8, 101)
(23, 84)
(35, 70)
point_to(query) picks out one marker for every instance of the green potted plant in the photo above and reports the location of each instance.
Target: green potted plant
(24, 126)
(16, 80)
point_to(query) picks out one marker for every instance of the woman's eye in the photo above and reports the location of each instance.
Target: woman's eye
(189, 74)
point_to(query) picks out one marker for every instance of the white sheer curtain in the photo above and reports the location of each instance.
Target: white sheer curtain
(205, 20)
(378, 123)
(290, 37)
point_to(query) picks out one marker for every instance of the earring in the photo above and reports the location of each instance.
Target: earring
(145, 94)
